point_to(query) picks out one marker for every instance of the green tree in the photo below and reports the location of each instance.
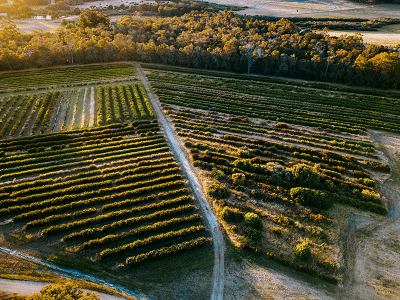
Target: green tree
(91, 17)
(63, 291)
(252, 220)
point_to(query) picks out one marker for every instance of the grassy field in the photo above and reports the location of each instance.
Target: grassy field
(257, 156)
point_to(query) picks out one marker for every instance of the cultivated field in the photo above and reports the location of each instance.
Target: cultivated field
(88, 182)
(296, 173)
(295, 158)
(76, 97)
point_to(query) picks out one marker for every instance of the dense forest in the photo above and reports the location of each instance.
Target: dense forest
(218, 41)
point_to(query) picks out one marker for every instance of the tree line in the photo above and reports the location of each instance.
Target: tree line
(209, 40)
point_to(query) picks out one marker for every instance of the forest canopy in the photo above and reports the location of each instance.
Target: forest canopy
(218, 41)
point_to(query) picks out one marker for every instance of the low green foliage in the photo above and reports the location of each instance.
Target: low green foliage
(303, 251)
(218, 191)
(252, 220)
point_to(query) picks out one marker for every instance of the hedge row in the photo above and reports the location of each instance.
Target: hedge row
(91, 201)
(72, 192)
(141, 230)
(86, 233)
(57, 218)
(167, 251)
(155, 239)
(145, 99)
(113, 215)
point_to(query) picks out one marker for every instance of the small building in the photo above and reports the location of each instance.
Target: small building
(3, 14)
(38, 17)
(48, 17)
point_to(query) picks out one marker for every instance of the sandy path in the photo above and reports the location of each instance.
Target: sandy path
(30, 287)
(376, 38)
(73, 105)
(84, 109)
(58, 119)
(92, 109)
(74, 274)
(218, 242)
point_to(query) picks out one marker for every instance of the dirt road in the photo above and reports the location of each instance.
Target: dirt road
(218, 280)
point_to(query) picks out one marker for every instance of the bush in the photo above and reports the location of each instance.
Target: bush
(238, 179)
(231, 215)
(66, 290)
(217, 174)
(367, 182)
(252, 233)
(277, 230)
(310, 197)
(305, 176)
(218, 191)
(252, 220)
(303, 251)
(243, 153)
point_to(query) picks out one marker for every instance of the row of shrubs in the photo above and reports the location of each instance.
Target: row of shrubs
(54, 197)
(85, 150)
(92, 200)
(60, 217)
(100, 157)
(116, 214)
(152, 228)
(90, 232)
(167, 251)
(155, 239)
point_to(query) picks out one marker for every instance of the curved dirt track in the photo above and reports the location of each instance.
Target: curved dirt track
(218, 243)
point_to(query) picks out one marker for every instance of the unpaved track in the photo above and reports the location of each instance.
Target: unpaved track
(218, 276)
(74, 273)
(92, 103)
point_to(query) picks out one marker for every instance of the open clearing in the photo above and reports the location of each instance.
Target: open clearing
(316, 9)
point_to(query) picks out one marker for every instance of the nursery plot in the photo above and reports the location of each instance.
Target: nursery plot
(70, 109)
(111, 196)
(277, 184)
(290, 103)
(67, 76)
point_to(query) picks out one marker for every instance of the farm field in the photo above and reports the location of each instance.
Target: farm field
(296, 104)
(112, 196)
(280, 189)
(87, 100)
(88, 181)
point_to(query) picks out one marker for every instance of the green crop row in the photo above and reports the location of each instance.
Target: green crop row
(86, 233)
(22, 114)
(114, 215)
(91, 201)
(155, 239)
(61, 217)
(167, 251)
(141, 230)
(74, 190)
(145, 98)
